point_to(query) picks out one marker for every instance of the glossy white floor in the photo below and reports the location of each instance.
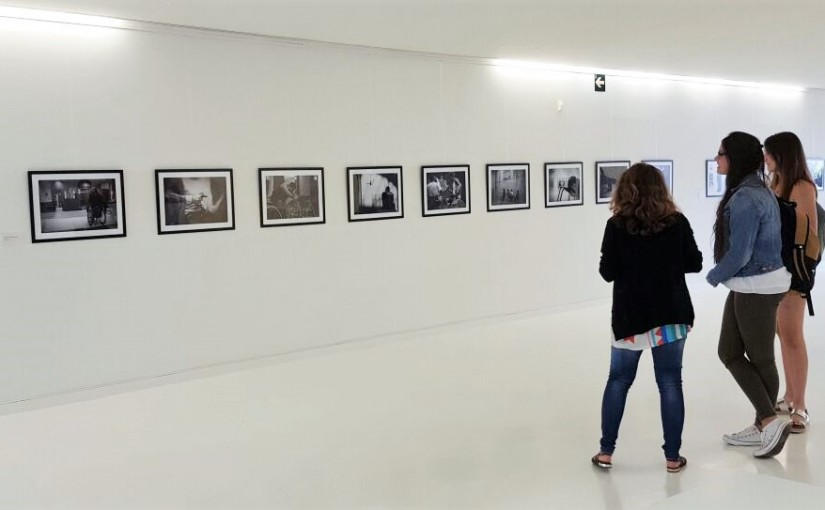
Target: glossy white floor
(498, 415)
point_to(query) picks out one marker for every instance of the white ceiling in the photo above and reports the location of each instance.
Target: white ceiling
(753, 40)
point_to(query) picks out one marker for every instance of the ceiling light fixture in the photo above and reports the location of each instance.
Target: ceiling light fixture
(564, 68)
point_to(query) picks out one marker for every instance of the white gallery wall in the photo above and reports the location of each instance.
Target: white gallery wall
(81, 314)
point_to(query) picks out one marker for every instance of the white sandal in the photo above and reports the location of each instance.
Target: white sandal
(783, 407)
(800, 427)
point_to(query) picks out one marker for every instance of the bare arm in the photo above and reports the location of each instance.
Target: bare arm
(804, 194)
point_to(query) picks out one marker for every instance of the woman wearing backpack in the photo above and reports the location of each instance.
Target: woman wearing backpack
(791, 180)
(747, 251)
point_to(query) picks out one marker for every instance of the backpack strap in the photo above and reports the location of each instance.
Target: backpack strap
(810, 304)
(820, 226)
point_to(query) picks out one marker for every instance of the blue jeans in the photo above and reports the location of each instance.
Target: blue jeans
(667, 365)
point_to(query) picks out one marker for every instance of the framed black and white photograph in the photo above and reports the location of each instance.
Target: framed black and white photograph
(291, 196)
(607, 177)
(666, 167)
(817, 169)
(714, 181)
(194, 200)
(82, 204)
(563, 183)
(445, 190)
(374, 193)
(508, 186)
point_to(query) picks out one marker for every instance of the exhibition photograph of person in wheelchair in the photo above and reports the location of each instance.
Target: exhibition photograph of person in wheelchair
(76, 204)
(71, 205)
(291, 196)
(194, 200)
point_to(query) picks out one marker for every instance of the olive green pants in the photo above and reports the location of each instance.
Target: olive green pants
(746, 347)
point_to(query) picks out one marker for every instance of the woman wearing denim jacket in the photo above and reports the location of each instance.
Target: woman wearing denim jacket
(747, 250)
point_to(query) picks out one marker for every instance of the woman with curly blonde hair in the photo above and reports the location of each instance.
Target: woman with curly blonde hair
(647, 248)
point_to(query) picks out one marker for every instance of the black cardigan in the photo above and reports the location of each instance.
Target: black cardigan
(648, 275)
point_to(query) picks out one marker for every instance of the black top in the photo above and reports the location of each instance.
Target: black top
(648, 275)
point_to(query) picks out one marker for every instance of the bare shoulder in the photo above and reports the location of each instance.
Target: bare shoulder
(803, 190)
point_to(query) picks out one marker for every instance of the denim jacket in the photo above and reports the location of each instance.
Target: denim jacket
(754, 244)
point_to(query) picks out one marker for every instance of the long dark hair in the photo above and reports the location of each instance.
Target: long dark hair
(791, 166)
(744, 153)
(642, 202)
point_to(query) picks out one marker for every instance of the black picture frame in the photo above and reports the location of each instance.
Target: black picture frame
(67, 205)
(607, 176)
(714, 181)
(375, 193)
(194, 200)
(445, 190)
(817, 168)
(508, 186)
(563, 184)
(666, 167)
(290, 196)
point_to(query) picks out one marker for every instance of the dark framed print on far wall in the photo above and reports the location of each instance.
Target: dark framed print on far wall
(508, 186)
(76, 204)
(563, 183)
(666, 167)
(817, 169)
(194, 200)
(291, 196)
(607, 177)
(374, 193)
(445, 190)
(714, 181)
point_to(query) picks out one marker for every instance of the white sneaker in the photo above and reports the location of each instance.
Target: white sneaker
(773, 438)
(750, 436)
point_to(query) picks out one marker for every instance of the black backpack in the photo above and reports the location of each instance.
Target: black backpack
(820, 230)
(801, 247)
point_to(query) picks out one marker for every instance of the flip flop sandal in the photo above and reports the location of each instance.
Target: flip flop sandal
(799, 427)
(783, 407)
(682, 464)
(601, 463)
